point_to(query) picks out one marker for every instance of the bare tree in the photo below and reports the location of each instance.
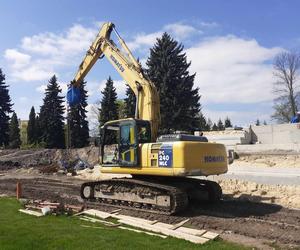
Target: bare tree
(287, 88)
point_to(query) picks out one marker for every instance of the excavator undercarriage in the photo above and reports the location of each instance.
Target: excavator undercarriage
(167, 195)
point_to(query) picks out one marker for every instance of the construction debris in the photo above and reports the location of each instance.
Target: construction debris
(47, 207)
(155, 227)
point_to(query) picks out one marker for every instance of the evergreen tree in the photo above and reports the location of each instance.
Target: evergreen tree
(227, 123)
(121, 109)
(38, 130)
(108, 105)
(5, 109)
(51, 116)
(31, 127)
(14, 132)
(209, 124)
(130, 102)
(202, 122)
(214, 127)
(220, 125)
(265, 123)
(79, 127)
(168, 70)
(257, 122)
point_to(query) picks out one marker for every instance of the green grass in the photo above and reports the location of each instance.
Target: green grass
(21, 231)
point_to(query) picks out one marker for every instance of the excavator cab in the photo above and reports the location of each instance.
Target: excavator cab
(120, 141)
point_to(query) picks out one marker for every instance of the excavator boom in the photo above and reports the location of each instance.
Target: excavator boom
(131, 71)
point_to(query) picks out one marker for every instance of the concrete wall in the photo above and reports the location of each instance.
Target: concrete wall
(276, 134)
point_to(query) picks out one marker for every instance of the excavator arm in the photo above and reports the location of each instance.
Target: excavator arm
(147, 107)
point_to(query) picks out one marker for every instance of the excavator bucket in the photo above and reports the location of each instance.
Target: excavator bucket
(73, 95)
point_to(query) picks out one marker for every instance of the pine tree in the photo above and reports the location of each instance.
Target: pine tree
(109, 108)
(121, 109)
(220, 125)
(31, 127)
(209, 124)
(79, 127)
(38, 130)
(51, 116)
(14, 132)
(227, 123)
(202, 122)
(168, 70)
(5, 110)
(130, 102)
(214, 127)
(257, 122)
(265, 123)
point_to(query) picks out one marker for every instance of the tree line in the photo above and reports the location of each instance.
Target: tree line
(167, 67)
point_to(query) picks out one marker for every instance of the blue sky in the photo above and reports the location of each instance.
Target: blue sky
(231, 45)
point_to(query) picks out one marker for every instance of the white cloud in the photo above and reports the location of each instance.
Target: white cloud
(74, 40)
(181, 31)
(209, 24)
(41, 88)
(231, 69)
(45, 53)
(178, 30)
(143, 40)
(17, 58)
(32, 73)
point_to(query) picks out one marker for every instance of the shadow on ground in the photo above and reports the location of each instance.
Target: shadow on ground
(232, 208)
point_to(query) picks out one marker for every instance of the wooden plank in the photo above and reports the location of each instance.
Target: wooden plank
(180, 224)
(45, 203)
(97, 213)
(192, 231)
(116, 211)
(164, 225)
(210, 235)
(107, 223)
(168, 232)
(120, 216)
(140, 231)
(186, 230)
(30, 212)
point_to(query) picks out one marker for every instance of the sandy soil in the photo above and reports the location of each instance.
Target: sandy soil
(284, 195)
(289, 161)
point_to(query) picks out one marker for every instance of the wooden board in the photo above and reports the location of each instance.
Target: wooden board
(30, 212)
(186, 230)
(165, 231)
(139, 231)
(210, 235)
(96, 213)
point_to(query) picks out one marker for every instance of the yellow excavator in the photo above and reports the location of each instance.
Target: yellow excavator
(160, 167)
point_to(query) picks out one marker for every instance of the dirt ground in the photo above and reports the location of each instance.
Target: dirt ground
(251, 223)
(249, 213)
(288, 161)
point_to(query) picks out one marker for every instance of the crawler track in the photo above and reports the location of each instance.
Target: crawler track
(146, 192)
